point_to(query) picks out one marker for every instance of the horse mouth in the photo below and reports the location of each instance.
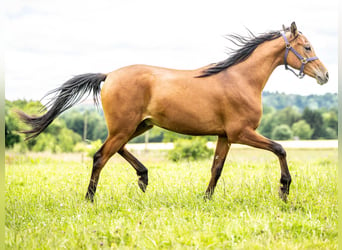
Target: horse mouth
(322, 78)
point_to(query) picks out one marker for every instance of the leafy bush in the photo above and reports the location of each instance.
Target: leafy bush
(61, 141)
(302, 129)
(81, 147)
(94, 147)
(45, 142)
(330, 133)
(190, 149)
(21, 147)
(282, 132)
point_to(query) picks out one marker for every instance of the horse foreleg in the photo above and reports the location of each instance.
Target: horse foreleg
(252, 138)
(109, 148)
(221, 151)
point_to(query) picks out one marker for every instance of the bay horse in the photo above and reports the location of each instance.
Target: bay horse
(222, 99)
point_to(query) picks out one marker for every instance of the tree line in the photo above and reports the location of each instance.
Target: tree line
(285, 117)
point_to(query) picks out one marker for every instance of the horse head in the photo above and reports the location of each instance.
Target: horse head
(303, 56)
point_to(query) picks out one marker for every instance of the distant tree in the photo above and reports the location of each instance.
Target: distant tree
(330, 120)
(56, 138)
(302, 130)
(100, 131)
(315, 120)
(156, 134)
(74, 120)
(96, 126)
(11, 126)
(268, 123)
(282, 132)
(190, 149)
(280, 101)
(78, 120)
(45, 142)
(330, 133)
(67, 139)
(10, 137)
(267, 110)
(272, 119)
(170, 136)
(288, 116)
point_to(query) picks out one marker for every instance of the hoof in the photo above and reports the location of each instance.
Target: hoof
(143, 182)
(284, 188)
(283, 195)
(89, 197)
(208, 196)
(142, 185)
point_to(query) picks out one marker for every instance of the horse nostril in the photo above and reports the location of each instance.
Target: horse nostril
(327, 75)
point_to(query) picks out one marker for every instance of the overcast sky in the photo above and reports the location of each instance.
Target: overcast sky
(47, 42)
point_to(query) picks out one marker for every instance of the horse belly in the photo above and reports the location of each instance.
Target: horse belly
(187, 117)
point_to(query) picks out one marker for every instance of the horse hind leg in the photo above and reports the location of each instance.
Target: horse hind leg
(141, 170)
(109, 148)
(115, 143)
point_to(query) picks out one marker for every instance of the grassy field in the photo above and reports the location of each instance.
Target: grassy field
(45, 206)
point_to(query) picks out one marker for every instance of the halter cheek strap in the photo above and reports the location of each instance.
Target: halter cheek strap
(303, 60)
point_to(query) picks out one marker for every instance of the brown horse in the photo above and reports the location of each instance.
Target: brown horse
(222, 99)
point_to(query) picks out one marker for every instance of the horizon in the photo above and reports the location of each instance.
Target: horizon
(89, 99)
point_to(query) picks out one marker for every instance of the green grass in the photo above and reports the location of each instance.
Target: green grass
(45, 206)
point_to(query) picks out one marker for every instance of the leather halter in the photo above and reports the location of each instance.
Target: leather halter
(303, 60)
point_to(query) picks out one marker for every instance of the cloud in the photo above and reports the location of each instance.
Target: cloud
(49, 41)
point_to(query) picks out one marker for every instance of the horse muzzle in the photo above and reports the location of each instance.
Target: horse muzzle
(322, 76)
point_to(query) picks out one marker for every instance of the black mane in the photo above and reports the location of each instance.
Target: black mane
(246, 44)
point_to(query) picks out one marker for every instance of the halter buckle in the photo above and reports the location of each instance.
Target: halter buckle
(304, 60)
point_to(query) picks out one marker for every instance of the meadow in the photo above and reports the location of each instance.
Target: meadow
(45, 206)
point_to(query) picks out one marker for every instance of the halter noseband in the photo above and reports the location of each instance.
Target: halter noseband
(303, 60)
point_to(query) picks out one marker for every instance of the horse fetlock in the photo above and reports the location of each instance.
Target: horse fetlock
(284, 189)
(285, 182)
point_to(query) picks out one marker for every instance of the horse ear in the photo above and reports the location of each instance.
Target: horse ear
(294, 30)
(284, 29)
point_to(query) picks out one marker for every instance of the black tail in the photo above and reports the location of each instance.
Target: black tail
(64, 98)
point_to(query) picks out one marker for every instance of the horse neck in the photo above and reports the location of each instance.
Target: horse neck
(259, 66)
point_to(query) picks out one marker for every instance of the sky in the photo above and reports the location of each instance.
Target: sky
(48, 42)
